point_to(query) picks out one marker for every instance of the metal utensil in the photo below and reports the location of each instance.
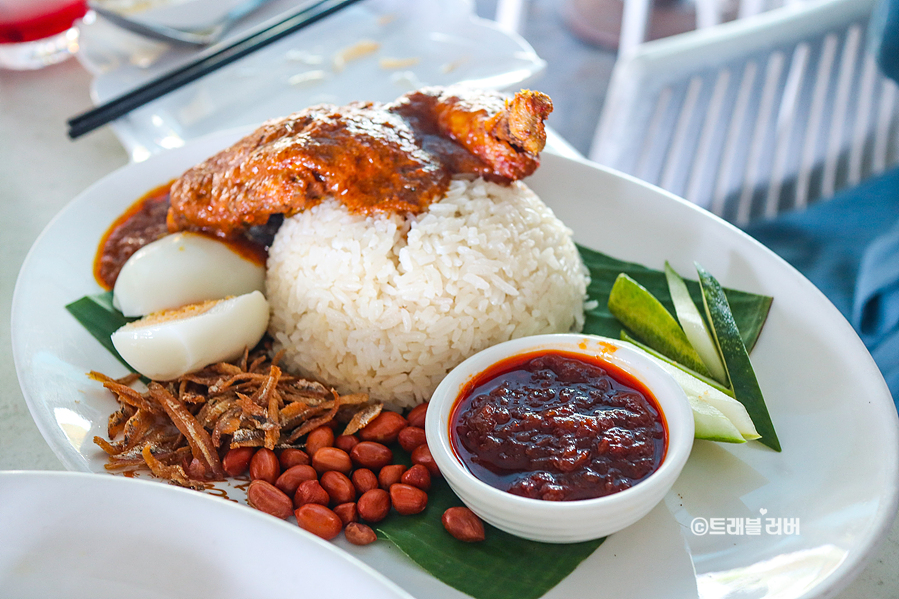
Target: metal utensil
(201, 35)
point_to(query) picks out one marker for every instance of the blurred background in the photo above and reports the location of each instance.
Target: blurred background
(577, 73)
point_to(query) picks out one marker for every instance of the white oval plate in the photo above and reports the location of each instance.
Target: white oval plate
(836, 477)
(450, 44)
(77, 535)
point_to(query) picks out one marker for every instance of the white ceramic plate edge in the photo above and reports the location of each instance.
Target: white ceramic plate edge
(889, 424)
(841, 576)
(275, 527)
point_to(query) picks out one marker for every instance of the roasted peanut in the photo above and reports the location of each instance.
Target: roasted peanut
(291, 478)
(422, 455)
(374, 505)
(463, 524)
(339, 486)
(390, 475)
(264, 465)
(310, 491)
(408, 500)
(416, 416)
(331, 458)
(359, 534)
(196, 470)
(370, 454)
(346, 442)
(267, 498)
(411, 437)
(417, 476)
(346, 512)
(384, 428)
(237, 460)
(319, 520)
(291, 457)
(364, 480)
(323, 436)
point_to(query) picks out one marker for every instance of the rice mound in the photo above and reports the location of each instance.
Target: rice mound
(389, 304)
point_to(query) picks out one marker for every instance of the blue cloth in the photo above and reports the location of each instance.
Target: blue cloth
(849, 248)
(883, 37)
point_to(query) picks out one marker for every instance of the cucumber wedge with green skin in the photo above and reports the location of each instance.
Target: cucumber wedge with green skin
(730, 408)
(639, 310)
(694, 325)
(742, 377)
(710, 405)
(711, 425)
(703, 379)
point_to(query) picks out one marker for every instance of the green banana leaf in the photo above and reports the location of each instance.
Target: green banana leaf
(503, 566)
(750, 310)
(97, 314)
(500, 567)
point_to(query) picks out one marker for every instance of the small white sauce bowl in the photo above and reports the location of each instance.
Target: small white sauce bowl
(562, 521)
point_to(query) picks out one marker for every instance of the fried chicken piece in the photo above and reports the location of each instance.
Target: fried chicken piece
(358, 153)
(372, 157)
(507, 135)
(521, 124)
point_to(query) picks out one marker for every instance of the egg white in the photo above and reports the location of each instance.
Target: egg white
(169, 344)
(183, 269)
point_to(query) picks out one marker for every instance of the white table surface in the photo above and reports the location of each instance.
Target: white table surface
(41, 170)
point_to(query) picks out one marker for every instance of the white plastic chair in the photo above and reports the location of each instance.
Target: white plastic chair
(637, 14)
(756, 116)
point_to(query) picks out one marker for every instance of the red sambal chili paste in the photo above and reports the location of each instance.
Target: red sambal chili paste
(145, 221)
(558, 427)
(142, 223)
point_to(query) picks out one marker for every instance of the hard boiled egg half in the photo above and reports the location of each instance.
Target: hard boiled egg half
(168, 344)
(182, 269)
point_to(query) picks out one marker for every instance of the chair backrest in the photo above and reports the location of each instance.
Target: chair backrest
(756, 116)
(637, 14)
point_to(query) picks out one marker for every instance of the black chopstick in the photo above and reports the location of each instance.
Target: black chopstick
(203, 65)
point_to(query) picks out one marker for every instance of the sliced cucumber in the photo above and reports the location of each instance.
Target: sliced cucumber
(704, 379)
(711, 425)
(701, 394)
(694, 325)
(742, 377)
(643, 314)
(732, 409)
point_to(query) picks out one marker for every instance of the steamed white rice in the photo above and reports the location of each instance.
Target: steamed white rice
(389, 305)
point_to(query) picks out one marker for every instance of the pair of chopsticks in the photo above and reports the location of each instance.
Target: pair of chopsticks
(204, 64)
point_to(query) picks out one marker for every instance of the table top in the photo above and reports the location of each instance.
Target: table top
(41, 170)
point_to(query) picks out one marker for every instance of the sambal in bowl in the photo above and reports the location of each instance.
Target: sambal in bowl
(560, 438)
